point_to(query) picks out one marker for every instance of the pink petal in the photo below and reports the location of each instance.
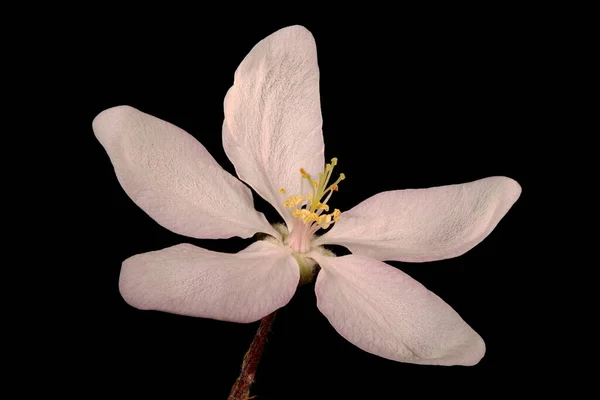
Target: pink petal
(173, 178)
(189, 280)
(273, 119)
(383, 311)
(417, 225)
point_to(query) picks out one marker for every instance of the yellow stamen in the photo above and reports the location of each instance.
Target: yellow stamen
(305, 215)
(324, 221)
(336, 215)
(328, 171)
(334, 186)
(298, 213)
(322, 206)
(293, 201)
(282, 190)
(312, 207)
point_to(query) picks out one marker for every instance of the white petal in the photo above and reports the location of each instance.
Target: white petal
(189, 280)
(383, 311)
(173, 178)
(417, 225)
(272, 124)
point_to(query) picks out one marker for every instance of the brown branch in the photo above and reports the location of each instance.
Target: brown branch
(241, 388)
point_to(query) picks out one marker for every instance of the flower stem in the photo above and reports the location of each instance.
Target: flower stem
(241, 388)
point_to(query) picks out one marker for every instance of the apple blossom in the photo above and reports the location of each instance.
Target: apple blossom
(272, 134)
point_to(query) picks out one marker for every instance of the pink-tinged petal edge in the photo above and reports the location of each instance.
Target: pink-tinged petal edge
(417, 225)
(273, 121)
(383, 311)
(174, 179)
(189, 280)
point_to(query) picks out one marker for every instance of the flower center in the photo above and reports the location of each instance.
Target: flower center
(310, 210)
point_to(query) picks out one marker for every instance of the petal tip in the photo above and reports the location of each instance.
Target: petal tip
(516, 188)
(108, 120)
(125, 284)
(467, 354)
(293, 34)
(297, 29)
(475, 353)
(511, 187)
(112, 114)
(130, 284)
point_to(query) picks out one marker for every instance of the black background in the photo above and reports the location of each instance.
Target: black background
(406, 104)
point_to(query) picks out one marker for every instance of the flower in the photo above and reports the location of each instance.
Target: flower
(272, 134)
